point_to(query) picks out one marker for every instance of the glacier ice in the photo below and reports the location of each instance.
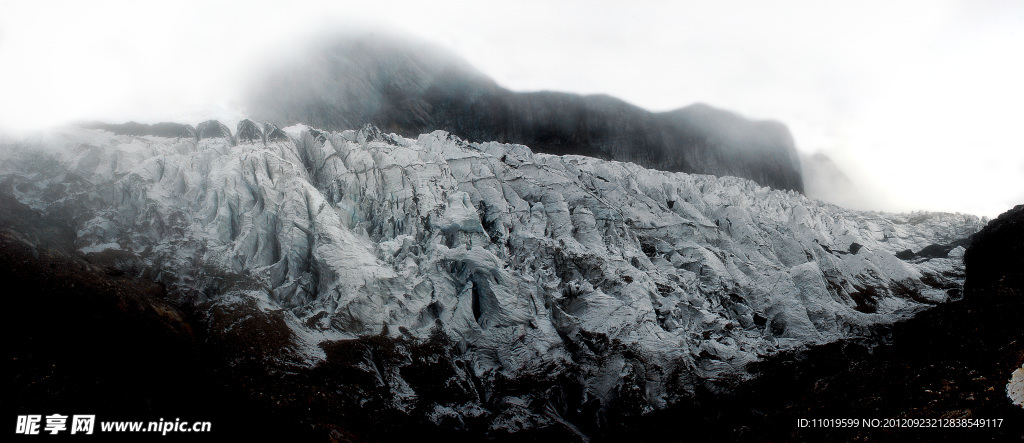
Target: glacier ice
(528, 260)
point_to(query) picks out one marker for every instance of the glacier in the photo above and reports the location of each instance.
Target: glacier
(630, 281)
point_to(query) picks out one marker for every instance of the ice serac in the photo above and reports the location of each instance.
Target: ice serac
(214, 129)
(272, 133)
(249, 132)
(411, 88)
(627, 285)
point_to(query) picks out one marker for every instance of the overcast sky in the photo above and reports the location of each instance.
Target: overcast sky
(920, 100)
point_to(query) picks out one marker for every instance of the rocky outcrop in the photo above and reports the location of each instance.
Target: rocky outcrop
(996, 255)
(995, 285)
(410, 89)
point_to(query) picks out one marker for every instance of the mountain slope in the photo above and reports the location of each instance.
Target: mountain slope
(411, 88)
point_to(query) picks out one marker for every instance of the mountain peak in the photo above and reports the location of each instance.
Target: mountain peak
(411, 88)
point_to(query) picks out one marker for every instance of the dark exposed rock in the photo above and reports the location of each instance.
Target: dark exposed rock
(140, 129)
(854, 247)
(249, 132)
(933, 250)
(996, 255)
(214, 129)
(411, 89)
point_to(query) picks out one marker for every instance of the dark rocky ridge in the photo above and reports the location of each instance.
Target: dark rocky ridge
(996, 255)
(247, 130)
(411, 89)
(140, 129)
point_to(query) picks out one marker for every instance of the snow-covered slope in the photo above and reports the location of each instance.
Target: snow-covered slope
(619, 275)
